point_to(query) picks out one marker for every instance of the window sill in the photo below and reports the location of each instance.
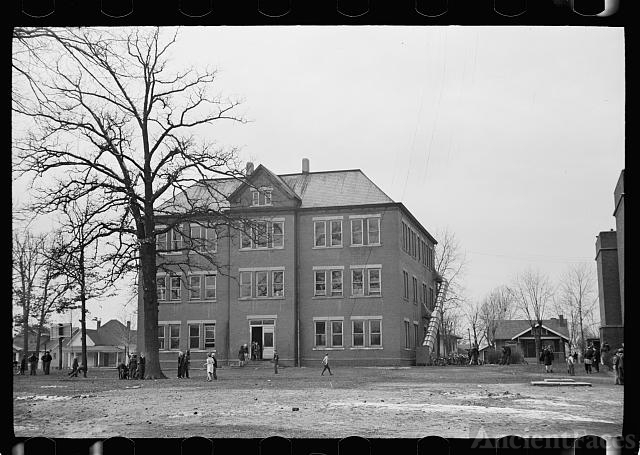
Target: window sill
(324, 297)
(376, 296)
(319, 348)
(364, 246)
(203, 301)
(367, 348)
(265, 248)
(332, 247)
(248, 299)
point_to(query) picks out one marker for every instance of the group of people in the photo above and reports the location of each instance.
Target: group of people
(256, 351)
(473, 354)
(32, 361)
(135, 368)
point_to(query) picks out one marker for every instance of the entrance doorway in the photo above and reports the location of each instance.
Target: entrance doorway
(262, 331)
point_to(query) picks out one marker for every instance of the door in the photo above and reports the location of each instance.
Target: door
(256, 335)
(267, 342)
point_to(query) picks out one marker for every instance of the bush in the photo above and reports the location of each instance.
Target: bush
(494, 356)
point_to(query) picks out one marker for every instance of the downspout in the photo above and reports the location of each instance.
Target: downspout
(296, 308)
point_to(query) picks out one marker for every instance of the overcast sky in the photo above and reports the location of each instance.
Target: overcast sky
(510, 137)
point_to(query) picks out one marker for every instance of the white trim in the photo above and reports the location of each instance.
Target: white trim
(202, 272)
(328, 318)
(262, 316)
(327, 218)
(351, 243)
(320, 348)
(544, 327)
(169, 322)
(367, 348)
(366, 266)
(201, 321)
(365, 317)
(376, 215)
(406, 319)
(261, 269)
(328, 267)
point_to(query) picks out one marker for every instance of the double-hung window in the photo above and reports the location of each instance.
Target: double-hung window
(203, 238)
(365, 230)
(366, 332)
(174, 336)
(176, 239)
(328, 333)
(210, 286)
(262, 288)
(174, 287)
(327, 232)
(262, 196)
(405, 285)
(194, 336)
(357, 238)
(209, 335)
(407, 334)
(245, 284)
(320, 232)
(415, 289)
(195, 287)
(328, 281)
(366, 280)
(161, 336)
(277, 283)
(161, 283)
(161, 241)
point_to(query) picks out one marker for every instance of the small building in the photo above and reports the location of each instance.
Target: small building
(107, 345)
(517, 334)
(45, 344)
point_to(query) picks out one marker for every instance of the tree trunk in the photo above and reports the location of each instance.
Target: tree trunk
(538, 341)
(83, 311)
(150, 305)
(25, 328)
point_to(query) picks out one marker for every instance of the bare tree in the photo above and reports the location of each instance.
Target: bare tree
(27, 262)
(578, 301)
(532, 292)
(108, 118)
(496, 306)
(450, 262)
(474, 319)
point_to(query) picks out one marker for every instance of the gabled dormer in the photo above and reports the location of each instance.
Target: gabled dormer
(263, 190)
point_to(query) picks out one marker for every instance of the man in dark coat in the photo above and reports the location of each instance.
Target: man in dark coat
(46, 362)
(133, 367)
(186, 361)
(33, 364)
(618, 366)
(588, 359)
(596, 359)
(547, 359)
(276, 358)
(180, 364)
(141, 366)
(74, 368)
(23, 365)
(122, 371)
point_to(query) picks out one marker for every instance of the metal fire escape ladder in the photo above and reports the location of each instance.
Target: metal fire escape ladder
(434, 322)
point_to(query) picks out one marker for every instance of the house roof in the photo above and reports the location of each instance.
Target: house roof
(510, 328)
(18, 341)
(112, 333)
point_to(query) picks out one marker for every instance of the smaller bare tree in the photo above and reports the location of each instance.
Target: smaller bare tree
(496, 306)
(533, 292)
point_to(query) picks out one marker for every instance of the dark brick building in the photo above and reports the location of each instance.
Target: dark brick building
(610, 262)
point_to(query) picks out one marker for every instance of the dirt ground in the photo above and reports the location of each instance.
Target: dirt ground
(252, 402)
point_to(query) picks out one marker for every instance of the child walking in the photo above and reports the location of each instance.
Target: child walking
(211, 365)
(325, 363)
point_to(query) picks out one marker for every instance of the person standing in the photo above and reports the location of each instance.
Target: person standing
(618, 366)
(33, 364)
(74, 368)
(571, 367)
(141, 366)
(325, 364)
(588, 359)
(241, 356)
(211, 365)
(596, 359)
(186, 363)
(507, 353)
(180, 363)
(547, 359)
(23, 365)
(133, 367)
(46, 362)
(275, 361)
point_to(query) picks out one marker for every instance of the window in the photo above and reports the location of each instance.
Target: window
(277, 283)
(405, 285)
(161, 337)
(176, 239)
(267, 197)
(209, 336)
(161, 242)
(358, 333)
(356, 232)
(210, 286)
(336, 233)
(245, 284)
(263, 196)
(423, 295)
(374, 281)
(194, 336)
(407, 335)
(336, 282)
(174, 287)
(373, 231)
(320, 283)
(161, 283)
(432, 302)
(320, 333)
(415, 334)
(245, 237)
(174, 336)
(375, 332)
(261, 234)
(278, 234)
(195, 285)
(357, 282)
(255, 198)
(415, 289)
(319, 228)
(203, 238)
(336, 333)
(262, 284)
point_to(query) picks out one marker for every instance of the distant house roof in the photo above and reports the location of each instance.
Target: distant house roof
(510, 328)
(112, 333)
(19, 339)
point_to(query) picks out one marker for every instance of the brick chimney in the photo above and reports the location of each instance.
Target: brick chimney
(249, 168)
(128, 325)
(98, 323)
(305, 165)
